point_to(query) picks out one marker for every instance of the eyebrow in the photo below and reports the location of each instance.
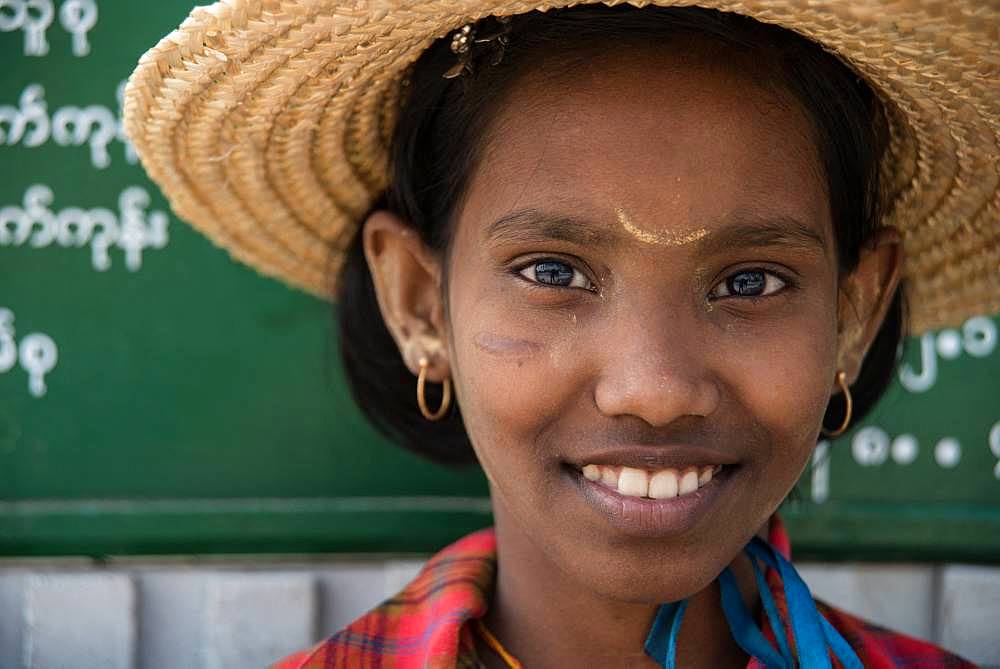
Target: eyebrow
(533, 226)
(756, 231)
(741, 230)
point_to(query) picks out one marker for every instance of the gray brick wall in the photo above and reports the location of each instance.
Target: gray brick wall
(240, 613)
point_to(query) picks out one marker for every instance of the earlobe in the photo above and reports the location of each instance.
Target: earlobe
(406, 276)
(865, 297)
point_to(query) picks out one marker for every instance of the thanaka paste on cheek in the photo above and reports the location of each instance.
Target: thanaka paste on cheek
(506, 347)
(667, 238)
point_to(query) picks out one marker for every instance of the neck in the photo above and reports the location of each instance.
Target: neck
(546, 620)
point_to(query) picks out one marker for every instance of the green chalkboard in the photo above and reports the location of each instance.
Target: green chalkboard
(156, 397)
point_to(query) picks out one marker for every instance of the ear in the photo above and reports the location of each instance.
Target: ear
(865, 297)
(407, 280)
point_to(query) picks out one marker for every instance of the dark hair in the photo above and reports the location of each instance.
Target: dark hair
(435, 148)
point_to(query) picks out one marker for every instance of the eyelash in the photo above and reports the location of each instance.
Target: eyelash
(769, 276)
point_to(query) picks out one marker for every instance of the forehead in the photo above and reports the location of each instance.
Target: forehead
(673, 136)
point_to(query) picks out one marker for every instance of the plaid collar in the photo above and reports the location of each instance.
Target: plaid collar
(427, 626)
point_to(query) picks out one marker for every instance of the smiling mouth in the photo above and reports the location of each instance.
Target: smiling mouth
(651, 484)
(655, 502)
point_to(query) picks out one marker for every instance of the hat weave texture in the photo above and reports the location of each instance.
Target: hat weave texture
(266, 123)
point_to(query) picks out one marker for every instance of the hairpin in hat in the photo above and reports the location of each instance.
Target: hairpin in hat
(464, 39)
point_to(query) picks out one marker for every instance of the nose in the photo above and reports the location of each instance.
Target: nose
(655, 368)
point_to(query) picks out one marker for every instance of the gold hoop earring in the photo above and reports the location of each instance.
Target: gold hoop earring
(445, 397)
(848, 409)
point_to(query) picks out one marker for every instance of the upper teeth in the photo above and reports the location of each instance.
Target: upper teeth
(659, 484)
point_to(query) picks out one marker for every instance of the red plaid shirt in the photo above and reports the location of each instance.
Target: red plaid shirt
(427, 624)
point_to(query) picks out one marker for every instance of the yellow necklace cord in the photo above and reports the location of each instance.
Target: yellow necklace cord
(497, 647)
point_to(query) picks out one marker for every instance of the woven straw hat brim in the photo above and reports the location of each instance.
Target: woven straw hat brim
(266, 124)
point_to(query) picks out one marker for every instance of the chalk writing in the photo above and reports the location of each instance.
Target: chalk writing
(37, 353)
(97, 126)
(904, 449)
(978, 339)
(870, 446)
(948, 452)
(34, 17)
(36, 225)
(819, 489)
(31, 111)
(31, 16)
(94, 125)
(994, 441)
(78, 17)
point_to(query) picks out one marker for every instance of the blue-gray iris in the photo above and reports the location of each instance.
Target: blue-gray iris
(747, 283)
(554, 273)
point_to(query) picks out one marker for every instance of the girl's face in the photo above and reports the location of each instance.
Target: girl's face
(642, 302)
(644, 276)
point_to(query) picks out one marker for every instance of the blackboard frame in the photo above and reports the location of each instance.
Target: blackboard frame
(422, 525)
(71, 485)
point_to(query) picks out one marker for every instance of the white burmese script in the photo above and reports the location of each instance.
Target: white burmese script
(37, 353)
(131, 229)
(33, 18)
(30, 125)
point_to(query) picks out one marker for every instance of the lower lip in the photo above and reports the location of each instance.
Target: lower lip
(641, 516)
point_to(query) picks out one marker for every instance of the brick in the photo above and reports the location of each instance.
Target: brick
(969, 608)
(349, 589)
(11, 614)
(79, 621)
(398, 573)
(897, 596)
(253, 619)
(171, 610)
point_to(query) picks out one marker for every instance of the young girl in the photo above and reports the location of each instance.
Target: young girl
(638, 260)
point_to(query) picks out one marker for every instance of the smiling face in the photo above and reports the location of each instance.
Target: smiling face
(643, 276)
(641, 320)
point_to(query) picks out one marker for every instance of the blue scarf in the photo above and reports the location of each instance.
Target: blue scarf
(814, 637)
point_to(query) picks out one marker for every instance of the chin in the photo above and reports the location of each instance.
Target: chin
(650, 576)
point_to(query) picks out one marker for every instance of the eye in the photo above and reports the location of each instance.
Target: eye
(749, 283)
(556, 273)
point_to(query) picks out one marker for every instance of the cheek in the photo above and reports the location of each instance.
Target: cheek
(514, 371)
(785, 386)
(788, 387)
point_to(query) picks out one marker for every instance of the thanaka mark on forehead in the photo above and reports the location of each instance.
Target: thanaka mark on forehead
(661, 238)
(739, 229)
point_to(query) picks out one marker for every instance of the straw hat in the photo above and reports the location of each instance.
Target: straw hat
(266, 124)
